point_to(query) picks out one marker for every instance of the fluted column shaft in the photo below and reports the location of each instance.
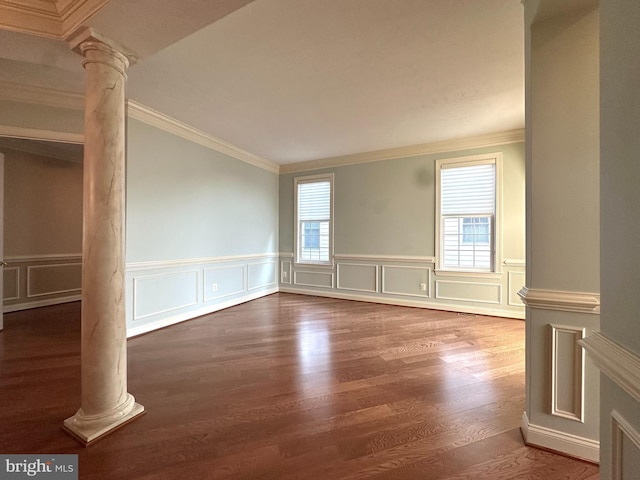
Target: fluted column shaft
(105, 402)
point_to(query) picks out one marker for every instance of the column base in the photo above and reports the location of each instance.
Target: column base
(90, 428)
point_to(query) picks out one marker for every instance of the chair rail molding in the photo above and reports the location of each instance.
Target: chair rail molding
(563, 301)
(616, 362)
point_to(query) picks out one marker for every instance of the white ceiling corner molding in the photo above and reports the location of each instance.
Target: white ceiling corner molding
(615, 361)
(15, 92)
(563, 301)
(36, 134)
(74, 13)
(159, 120)
(489, 140)
(47, 18)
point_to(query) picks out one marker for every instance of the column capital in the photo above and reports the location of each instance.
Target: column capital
(87, 38)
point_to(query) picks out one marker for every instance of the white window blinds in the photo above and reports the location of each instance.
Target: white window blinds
(314, 221)
(468, 190)
(467, 213)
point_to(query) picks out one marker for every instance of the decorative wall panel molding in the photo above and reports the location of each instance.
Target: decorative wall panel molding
(357, 277)
(224, 281)
(163, 293)
(285, 272)
(11, 283)
(262, 274)
(52, 279)
(406, 280)
(625, 446)
(469, 291)
(561, 300)
(33, 281)
(313, 279)
(567, 372)
(615, 361)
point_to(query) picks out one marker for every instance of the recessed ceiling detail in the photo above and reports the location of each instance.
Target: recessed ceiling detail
(47, 18)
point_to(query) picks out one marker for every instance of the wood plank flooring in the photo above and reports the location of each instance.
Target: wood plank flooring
(288, 387)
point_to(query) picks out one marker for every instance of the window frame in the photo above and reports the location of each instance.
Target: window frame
(323, 177)
(496, 231)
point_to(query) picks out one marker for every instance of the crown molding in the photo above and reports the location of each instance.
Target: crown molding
(164, 122)
(560, 300)
(36, 134)
(15, 92)
(48, 19)
(499, 138)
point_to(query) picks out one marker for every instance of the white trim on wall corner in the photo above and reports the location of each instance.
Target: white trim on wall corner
(615, 361)
(171, 125)
(563, 301)
(480, 141)
(565, 443)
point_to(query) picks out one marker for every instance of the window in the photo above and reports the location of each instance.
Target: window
(467, 214)
(314, 222)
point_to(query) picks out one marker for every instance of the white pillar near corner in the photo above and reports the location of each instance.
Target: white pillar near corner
(105, 402)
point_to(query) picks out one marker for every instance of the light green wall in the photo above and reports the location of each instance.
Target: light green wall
(620, 206)
(388, 207)
(187, 201)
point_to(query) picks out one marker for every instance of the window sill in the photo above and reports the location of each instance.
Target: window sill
(313, 265)
(468, 274)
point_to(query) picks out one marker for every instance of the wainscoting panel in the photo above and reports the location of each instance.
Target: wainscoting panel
(11, 283)
(406, 280)
(52, 279)
(41, 280)
(625, 449)
(220, 282)
(313, 279)
(285, 272)
(567, 372)
(163, 293)
(262, 274)
(357, 277)
(469, 291)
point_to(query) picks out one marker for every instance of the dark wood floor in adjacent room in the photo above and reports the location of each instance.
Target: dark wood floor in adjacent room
(288, 387)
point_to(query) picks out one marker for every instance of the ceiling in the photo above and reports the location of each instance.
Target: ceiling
(300, 80)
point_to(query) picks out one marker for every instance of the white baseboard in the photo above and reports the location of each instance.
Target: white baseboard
(40, 303)
(565, 443)
(133, 331)
(402, 302)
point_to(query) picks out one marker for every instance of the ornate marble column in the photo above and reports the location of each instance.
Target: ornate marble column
(105, 402)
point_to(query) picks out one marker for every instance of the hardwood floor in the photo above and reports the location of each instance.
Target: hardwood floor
(288, 387)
